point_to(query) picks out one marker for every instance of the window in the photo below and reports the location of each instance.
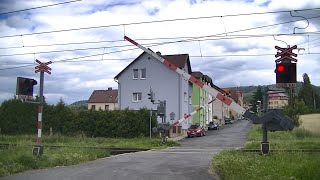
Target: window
(190, 101)
(106, 107)
(93, 107)
(137, 97)
(135, 73)
(185, 97)
(142, 73)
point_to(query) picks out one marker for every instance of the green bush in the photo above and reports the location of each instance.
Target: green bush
(21, 118)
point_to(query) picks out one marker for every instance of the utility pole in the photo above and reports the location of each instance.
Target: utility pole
(150, 121)
(314, 100)
(265, 147)
(42, 67)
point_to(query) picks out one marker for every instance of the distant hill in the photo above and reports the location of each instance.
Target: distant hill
(248, 91)
(80, 103)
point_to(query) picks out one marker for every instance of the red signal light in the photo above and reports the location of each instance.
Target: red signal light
(280, 68)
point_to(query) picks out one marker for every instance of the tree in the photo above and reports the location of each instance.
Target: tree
(17, 117)
(257, 96)
(294, 111)
(60, 117)
(308, 94)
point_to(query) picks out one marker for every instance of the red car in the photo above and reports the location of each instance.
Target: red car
(195, 130)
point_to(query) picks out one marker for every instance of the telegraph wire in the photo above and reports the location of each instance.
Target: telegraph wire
(39, 7)
(198, 38)
(219, 37)
(70, 60)
(156, 21)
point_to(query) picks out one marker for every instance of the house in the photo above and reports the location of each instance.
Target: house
(237, 96)
(277, 100)
(145, 73)
(103, 99)
(200, 98)
(219, 109)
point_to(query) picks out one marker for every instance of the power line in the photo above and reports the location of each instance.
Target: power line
(185, 40)
(309, 41)
(123, 59)
(156, 21)
(219, 37)
(39, 7)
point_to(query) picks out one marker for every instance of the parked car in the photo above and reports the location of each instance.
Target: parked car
(227, 121)
(213, 126)
(195, 130)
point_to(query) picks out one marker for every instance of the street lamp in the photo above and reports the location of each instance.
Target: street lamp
(258, 105)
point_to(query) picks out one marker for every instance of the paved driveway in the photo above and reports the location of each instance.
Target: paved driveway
(189, 161)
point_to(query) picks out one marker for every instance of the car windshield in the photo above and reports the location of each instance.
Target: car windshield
(194, 126)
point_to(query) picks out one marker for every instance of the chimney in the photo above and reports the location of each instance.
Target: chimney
(109, 88)
(159, 53)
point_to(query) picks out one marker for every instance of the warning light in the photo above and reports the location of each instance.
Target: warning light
(286, 73)
(280, 68)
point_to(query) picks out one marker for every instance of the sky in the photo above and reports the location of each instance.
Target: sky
(222, 46)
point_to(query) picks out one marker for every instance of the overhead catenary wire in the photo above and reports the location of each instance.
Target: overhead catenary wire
(218, 37)
(191, 39)
(71, 60)
(185, 40)
(172, 42)
(155, 21)
(39, 7)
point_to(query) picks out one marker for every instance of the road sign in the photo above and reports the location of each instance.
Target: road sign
(286, 51)
(285, 54)
(43, 67)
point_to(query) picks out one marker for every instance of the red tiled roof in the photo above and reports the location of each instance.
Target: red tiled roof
(104, 96)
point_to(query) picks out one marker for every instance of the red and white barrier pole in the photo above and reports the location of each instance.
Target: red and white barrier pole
(39, 124)
(191, 114)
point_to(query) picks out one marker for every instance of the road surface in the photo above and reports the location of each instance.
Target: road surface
(189, 161)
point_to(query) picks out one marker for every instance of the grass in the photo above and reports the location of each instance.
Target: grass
(299, 138)
(277, 165)
(311, 122)
(14, 160)
(237, 165)
(20, 158)
(143, 142)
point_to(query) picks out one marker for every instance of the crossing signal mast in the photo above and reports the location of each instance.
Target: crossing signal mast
(286, 67)
(286, 70)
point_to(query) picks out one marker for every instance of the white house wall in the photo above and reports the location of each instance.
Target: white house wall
(164, 82)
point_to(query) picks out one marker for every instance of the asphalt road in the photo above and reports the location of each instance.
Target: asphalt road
(189, 161)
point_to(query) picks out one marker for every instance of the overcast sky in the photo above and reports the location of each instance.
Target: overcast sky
(75, 81)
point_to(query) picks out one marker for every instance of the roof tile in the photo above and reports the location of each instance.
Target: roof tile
(104, 96)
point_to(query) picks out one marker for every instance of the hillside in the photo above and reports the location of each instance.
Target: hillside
(82, 103)
(248, 91)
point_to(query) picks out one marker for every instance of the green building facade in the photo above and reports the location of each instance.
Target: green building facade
(201, 98)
